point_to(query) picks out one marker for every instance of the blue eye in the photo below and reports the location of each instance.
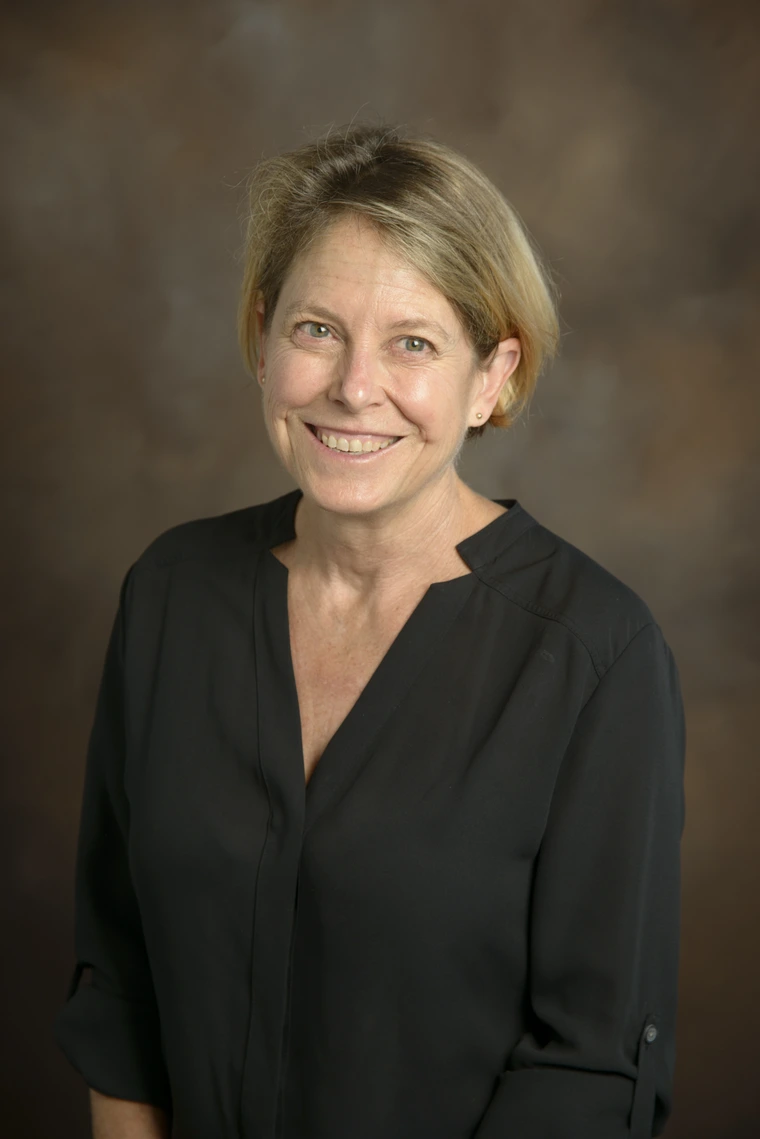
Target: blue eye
(316, 324)
(414, 340)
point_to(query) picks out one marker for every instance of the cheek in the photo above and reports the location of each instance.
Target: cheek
(293, 386)
(435, 402)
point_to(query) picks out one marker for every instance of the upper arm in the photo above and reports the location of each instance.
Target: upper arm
(109, 1028)
(604, 931)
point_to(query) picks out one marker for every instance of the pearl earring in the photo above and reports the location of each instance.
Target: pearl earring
(478, 414)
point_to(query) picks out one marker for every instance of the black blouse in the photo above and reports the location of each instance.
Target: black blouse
(465, 926)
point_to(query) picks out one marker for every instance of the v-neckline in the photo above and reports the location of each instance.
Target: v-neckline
(280, 736)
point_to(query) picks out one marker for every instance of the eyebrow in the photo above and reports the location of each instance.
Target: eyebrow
(418, 322)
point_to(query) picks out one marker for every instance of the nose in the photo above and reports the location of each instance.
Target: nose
(356, 381)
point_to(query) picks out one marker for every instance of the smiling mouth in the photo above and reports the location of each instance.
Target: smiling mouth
(352, 444)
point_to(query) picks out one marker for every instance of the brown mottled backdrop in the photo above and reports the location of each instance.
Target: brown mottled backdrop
(627, 136)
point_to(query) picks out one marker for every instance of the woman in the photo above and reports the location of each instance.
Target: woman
(380, 832)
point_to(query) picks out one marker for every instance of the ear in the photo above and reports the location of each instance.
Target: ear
(491, 379)
(258, 315)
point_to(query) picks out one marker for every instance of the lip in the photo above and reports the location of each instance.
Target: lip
(346, 434)
(349, 456)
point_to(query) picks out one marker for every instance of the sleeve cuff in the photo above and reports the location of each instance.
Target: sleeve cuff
(115, 1044)
(558, 1103)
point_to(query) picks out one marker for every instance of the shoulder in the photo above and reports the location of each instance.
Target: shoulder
(553, 580)
(220, 537)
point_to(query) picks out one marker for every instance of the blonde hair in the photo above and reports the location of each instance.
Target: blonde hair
(434, 208)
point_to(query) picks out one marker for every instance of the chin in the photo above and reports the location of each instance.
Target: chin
(347, 499)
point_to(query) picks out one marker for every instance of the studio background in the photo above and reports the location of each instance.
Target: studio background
(626, 136)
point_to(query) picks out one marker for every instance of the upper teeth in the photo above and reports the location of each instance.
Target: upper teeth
(339, 444)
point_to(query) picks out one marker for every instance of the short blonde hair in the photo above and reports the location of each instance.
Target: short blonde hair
(434, 208)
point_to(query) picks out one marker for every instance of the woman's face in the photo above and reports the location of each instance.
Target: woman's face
(371, 383)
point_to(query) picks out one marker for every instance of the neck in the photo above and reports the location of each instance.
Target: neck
(379, 553)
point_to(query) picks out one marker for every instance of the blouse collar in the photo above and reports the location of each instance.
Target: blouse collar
(477, 550)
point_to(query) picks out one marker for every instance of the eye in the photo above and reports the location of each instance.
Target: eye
(417, 343)
(309, 324)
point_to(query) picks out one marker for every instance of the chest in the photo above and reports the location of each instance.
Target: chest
(333, 661)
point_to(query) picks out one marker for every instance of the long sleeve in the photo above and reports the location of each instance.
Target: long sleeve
(109, 1028)
(597, 1061)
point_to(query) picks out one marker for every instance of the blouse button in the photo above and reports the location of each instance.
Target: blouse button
(650, 1034)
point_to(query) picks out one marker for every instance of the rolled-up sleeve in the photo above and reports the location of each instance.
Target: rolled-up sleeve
(109, 1027)
(598, 1058)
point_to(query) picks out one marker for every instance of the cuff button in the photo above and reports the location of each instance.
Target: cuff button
(650, 1034)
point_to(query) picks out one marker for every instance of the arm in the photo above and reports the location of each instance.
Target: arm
(109, 1028)
(124, 1119)
(597, 1059)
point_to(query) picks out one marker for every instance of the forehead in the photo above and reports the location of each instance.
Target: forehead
(353, 265)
